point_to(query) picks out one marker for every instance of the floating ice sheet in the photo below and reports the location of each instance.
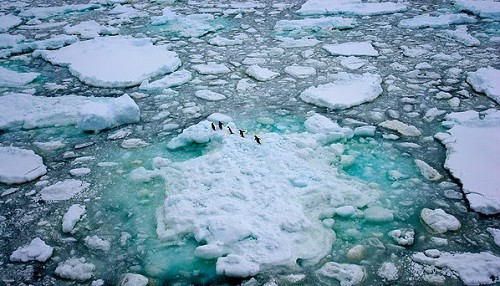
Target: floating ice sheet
(427, 20)
(10, 78)
(352, 49)
(486, 80)
(484, 8)
(354, 7)
(20, 165)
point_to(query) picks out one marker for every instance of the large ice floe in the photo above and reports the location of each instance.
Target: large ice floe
(473, 157)
(254, 206)
(486, 80)
(427, 20)
(483, 8)
(344, 91)
(19, 110)
(115, 61)
(354, 7)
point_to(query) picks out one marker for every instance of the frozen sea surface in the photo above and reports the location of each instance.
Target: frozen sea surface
(305, 142)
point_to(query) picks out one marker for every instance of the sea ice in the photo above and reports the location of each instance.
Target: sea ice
(211, 68)
(461, 35)
(132, 279)
(472, 268)
(314, 24)
(194, 25)
(63, 190)
(90, 29)
(439, 221)
(209, 95)
(224, 42)
(484, 8)
(300, 71)
(404, 236)
(48, 12)
(486, 80)
(115, 61)
(388, 271)
(427, 171)
(18, 110)
(495, 233)
(75, 269)
(345, 90)
(354, 7)
(353, 63)
(10, 78)
(376, 214)
(36, 250)
(8, 21)
(171, 80)
(346, 274)
(472, 156)
(72, 216)
(444, 20)
(95, 242)
(351, 49)
(258, 215)
(20, 165)
(402, 128)
(304, 42)
(260, 73)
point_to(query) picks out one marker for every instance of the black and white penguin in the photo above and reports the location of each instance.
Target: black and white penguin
(257, 139)
(241, 133)
(230, 130)
(220, 125)
(213, 126)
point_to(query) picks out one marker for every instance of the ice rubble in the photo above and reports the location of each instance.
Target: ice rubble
(484, 8)
(443, 20)
(91, 114)
(20, 165)
(486, 80)
(355, 7)
(472, 156)
(36, 250)
(345, 90)
(351, 49)
(75, 269)
(10, 78)
(250, 217)
(115, 61)
(472, 268)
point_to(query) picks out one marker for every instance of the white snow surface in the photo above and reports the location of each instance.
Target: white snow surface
(75, 269)
(473, 157)
(345, 90)
(20, 165)
(346, 274)
(72, 216)
(19, 110)
(63, 190)
(90, 29)
(471, 268)
(351, 49)
(10, 78)
(483, 8)
(439, 221)
(262, 204)
(36, 250)
(486, 80)
(115, 61)
(9, 21)
(354, 7)
(443, 20)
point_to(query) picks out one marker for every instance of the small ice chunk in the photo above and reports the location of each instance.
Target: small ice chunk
(9, 21)
(356, 252)
(365, 131)
(353, 63)
(427, 171)
(49, 146)
(403, 236)
(378, 214)
(345, 211)
(325, 129)
(486, 80)
(485, 8)
(314, 25)
(63, 190)
(260, 73)
(388, 271)
(300, 71)
(209, 95)
(351, 49)
(400, 127)
(223, 42)
(443, 20)
(10, 78)
(211, 68)
(36, 250)
(79, 172)
(351, 7)
(209, 251)
(439, 221)
(462, 36)
(75, 269)
(133, 143)
(395, 175)
(495, 233)
(20, 165)
(171, 80)
(90, 29)
(132, 279)
(345, 90)
(72, 216)
(234, 265)
(346, 274)
(97, 243)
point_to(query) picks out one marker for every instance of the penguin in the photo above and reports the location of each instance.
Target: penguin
(257, 139)
(220, 125)
(241, 133)
(213, 126)
(230, 130)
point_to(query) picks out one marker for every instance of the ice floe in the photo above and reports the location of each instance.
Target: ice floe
(300, 71)
(171, 80)
(90, 29)
(354, 7)
(472, 157)
(63, 190)
(261, 74)
(209, 95)
(9, 21)
(353, 63)
(10, 78)
(427, 171)
(439, 221)
(20, 165)
(235, 220)
(72, 217)
(211, 68)
(402, 128)
(472, 268)
(346, 274)
(48, 12)
(344, 91)
(486, 80)
(194, 25)
(36, 250)
(484, 8)
(19, 110)
(326, 24)
(443, 20)
(75, 269)
(351, 49)
(115, 61)
(461, 35)
(132, 279)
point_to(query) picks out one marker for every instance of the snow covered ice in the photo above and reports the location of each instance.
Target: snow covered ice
(308, 142)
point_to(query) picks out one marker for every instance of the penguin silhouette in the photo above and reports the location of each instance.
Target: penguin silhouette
(220, 125)
(230, 130)
(241, 133)
(213, 126)
(257, 139)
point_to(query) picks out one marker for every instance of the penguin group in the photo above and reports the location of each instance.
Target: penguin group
(220, 126)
